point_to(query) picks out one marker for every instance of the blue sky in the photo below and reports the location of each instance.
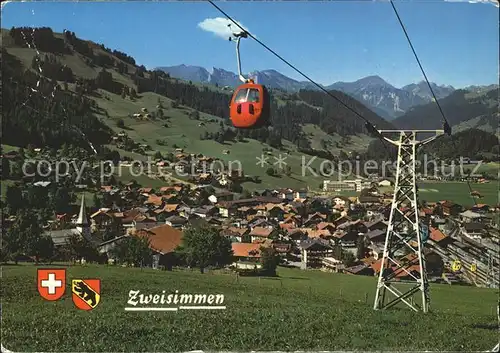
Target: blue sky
(457, 42)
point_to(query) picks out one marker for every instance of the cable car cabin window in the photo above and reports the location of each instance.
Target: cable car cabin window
(241, 96)
(253, 96)
(250, 95)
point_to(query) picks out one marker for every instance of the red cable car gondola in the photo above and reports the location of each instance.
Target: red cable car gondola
(250, 104)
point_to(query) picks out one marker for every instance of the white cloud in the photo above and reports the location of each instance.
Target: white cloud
(492, 2)
(219, 27)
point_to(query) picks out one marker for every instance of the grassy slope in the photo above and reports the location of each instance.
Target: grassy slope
(459, 192)
(305, 310)
(358, 143)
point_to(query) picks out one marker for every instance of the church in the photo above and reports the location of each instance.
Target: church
(59, 237)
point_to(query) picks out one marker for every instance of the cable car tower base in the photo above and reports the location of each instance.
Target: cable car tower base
(404, 229)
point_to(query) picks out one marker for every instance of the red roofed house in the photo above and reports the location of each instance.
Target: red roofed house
(163, 240)
(262, 233)
(246, 256)
(438, 237)
(451, 208)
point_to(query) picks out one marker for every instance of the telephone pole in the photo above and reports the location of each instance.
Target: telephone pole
(404, 231)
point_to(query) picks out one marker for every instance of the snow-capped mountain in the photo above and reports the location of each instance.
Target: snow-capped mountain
(383, 98)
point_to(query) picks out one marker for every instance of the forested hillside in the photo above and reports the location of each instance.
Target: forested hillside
(63, 105)
(38, 111)
(458, 108)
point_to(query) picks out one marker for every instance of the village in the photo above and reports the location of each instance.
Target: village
(330, 232)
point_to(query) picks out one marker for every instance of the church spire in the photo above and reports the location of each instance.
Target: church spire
(82, 223)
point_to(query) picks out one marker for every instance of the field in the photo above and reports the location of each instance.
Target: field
(459, 192)
(298, 310)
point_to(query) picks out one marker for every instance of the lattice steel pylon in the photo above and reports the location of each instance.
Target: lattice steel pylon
(404, 229)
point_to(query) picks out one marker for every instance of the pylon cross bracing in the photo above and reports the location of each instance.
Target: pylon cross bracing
(402, 272)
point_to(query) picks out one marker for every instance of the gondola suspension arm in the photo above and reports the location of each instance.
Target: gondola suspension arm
(238, 36)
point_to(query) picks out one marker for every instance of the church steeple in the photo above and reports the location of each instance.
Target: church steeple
(82, 223)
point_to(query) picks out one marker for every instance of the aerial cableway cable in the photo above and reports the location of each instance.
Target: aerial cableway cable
(447, 126)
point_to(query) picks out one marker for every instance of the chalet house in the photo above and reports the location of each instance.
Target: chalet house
(314, 219)
(313, 252)
(286, 226)
(166, 190)
(341, 201)
(171, 208)
(331, 264)
(130, 215)
(347, 238)
(182, 166)
(246, 211)
(379, 224)
(289, 194)
(184, 210)
(369, 200)
(451, 208)
(224, 196)
(143, 221)
(160, 214)
(326, 226)
(229, 208)
(271, 210)
(205, 211)
(362, 270)
(246, 256)
(282, 249)
(341, 220)
(237, 234)
(320, 204)
(297, 235)
(260, 221)
(163, 240)
(473, 217)
(356, 226)
(293, 220)
(262, 233)
(438, 222)
(376, 236)
(176, 222)
(437, 237)
(317, 233)
(155, 201)
(265, 193)
(474, 230)
(106, 248)
(102, 218)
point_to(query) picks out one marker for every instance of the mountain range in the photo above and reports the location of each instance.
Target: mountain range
(383, 98)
